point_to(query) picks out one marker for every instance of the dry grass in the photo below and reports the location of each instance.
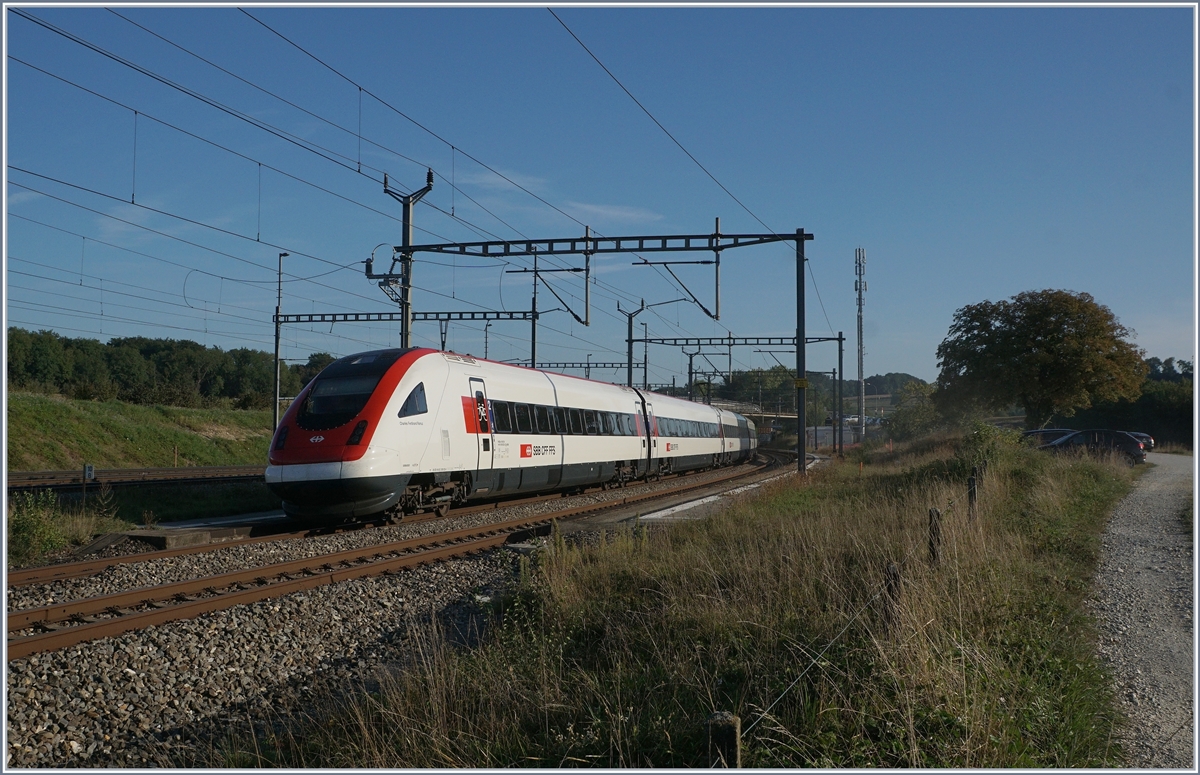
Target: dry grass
(777, 610)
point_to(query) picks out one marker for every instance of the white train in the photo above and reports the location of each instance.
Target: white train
(401, 430)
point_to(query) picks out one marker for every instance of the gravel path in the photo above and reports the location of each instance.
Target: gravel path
(1144, 606)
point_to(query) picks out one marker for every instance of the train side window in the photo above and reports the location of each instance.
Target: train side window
(542, 416)
(502, 417)
(630, 428)
(589, 422)
(617, 426)
(560, 420)
(606, 426)
(415, 403)
(576, 421)
(524, 421)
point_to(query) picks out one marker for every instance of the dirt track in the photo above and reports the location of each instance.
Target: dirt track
(1144, 604)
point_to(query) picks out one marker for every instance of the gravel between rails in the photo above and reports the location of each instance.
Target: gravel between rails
(164, 696)
(1144, 606)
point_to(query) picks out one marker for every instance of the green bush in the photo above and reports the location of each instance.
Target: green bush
(32, 526)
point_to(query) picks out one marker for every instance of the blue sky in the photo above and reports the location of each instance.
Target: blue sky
(974, 153)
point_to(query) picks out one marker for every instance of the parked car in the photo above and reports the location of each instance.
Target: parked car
(1146, 439)
(1040, 436)
(1099, 441)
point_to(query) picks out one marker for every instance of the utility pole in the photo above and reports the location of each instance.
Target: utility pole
(645, 353)
(629, 340)
(841, 435)
(406, 256)
(860, 286)
(801, 383)
(533, 321)
(278, 303)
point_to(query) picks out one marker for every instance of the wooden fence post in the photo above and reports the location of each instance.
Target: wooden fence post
(891, 609)
(935, 535)
(724, 740)
(972, 497)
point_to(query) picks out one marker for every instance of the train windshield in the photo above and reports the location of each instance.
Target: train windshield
(341, 391)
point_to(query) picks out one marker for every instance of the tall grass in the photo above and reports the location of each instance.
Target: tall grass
(613, 655)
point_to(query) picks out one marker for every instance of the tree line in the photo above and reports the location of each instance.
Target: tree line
(172, 372)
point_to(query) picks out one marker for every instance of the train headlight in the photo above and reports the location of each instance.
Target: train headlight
(281, 437)
(356, 436)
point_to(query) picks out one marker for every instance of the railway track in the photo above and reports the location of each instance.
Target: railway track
(67, 623)
(119, 477)
(82, 568)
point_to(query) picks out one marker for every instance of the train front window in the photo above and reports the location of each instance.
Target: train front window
(334, 401)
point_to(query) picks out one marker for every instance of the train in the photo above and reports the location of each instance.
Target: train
(407, 430)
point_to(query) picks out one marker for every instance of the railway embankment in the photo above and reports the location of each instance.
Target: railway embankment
(55, 433)
(52, 432)
(828, 616)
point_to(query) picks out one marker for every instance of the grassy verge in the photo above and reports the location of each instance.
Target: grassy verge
(54, 433)
(777, 610)
(39, 524)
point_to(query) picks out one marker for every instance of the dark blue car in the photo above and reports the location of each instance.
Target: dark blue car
(1100, 441)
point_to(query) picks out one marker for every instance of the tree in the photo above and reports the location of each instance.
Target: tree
(304, 372)
(1051, 352)
(916, 414)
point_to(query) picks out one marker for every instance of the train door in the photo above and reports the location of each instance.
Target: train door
(484, 440)
(722, 455)
(652, 435)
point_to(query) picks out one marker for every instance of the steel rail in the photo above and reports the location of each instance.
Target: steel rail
(69, 636)
(58, 612)
(70, 570)
(486, 537)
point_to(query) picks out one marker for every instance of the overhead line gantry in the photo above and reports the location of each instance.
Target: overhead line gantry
(399, 286)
